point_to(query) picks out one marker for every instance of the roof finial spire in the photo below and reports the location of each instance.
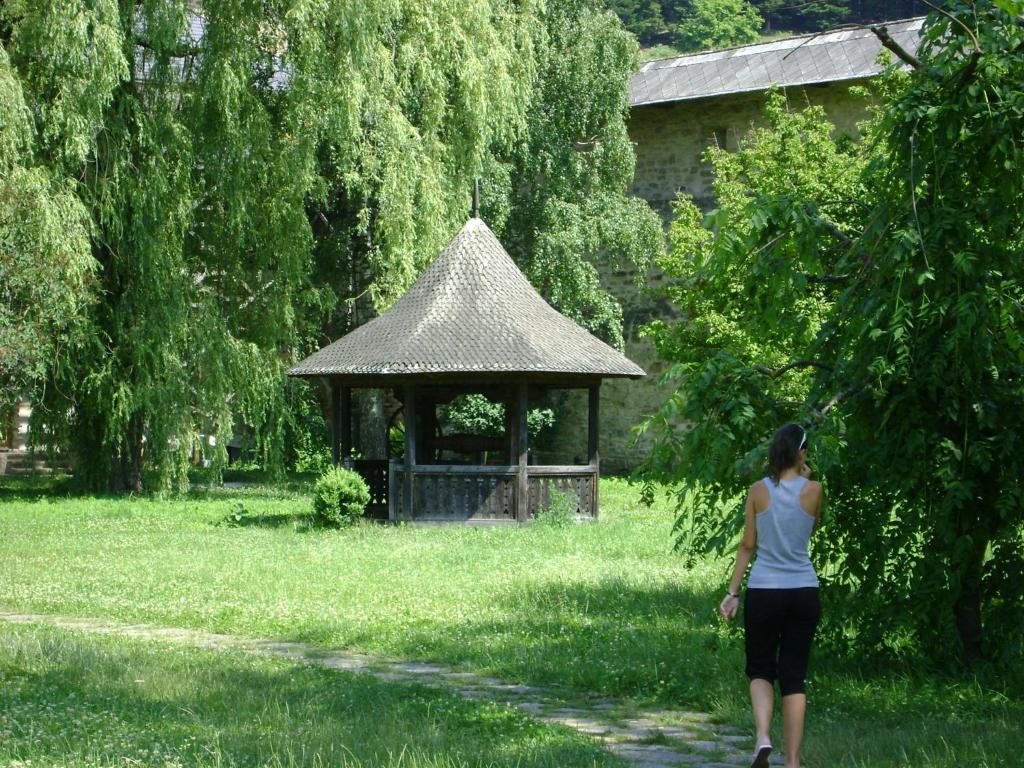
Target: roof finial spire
(476, 198)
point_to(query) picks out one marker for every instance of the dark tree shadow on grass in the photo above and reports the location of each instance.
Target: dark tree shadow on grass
(32, 487)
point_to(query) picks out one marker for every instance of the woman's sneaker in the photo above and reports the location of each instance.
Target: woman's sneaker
(761, 756)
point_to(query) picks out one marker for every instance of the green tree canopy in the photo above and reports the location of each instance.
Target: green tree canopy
(228, 178)
(717, 24)
(873, 293)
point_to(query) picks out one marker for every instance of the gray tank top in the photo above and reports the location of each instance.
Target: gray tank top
(783, 532)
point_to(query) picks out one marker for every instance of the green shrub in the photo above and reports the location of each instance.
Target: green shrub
(560, 511)
(339, 497)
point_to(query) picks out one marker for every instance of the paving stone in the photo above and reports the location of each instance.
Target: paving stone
(707, 746)
(286, 648)
(475, 695)
(743, 759)
(418, 668)
(458, 676)
(592, 730)
(533, 707)
(580, 724)
(734, 738)
(565, 712)
(394, 677)
(514, 688)
(697, 717)
(490, 682)
(673, 732)
(652, 753)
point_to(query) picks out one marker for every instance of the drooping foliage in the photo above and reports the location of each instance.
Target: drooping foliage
(873, 293)
(46, 267)
(564, 182)
(226, 180)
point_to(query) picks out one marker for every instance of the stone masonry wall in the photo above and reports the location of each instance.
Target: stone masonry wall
(669, 142)
(671, 139)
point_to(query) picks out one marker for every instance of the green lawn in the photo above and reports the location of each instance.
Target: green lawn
(605, 608)
(71, 699)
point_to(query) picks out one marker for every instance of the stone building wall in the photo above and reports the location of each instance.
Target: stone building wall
(670, 141)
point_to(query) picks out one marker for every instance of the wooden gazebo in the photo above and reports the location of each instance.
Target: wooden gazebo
(471, 323)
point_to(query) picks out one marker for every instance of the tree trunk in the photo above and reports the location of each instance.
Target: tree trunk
(968, 625)
(967, 608)
(126, 466)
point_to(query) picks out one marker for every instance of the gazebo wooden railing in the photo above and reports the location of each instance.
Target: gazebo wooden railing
(452, 493)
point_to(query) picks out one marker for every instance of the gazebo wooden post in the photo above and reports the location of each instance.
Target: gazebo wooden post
(346, 426)
(335, 423)
(521, 435)
(593, 433)
(511, 433)
(409, 417)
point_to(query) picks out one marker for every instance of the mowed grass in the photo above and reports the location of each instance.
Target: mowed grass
(603, 609)
(71, 699)
(607, 607)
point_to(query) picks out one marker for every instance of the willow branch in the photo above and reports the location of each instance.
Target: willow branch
(828, 279)
(774, 374)
(882, 33)
(846, 394)
(831, 226)
(178, 52)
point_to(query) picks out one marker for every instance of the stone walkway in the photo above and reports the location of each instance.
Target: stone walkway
(664, 738)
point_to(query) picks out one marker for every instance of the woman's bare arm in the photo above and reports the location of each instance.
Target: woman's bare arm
(744, 553)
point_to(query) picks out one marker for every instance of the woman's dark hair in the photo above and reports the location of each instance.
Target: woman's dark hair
(785, 449)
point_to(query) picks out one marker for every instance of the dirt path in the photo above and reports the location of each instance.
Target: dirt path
(646, 739)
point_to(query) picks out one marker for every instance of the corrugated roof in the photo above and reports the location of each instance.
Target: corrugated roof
(848, 54)
(471, 312)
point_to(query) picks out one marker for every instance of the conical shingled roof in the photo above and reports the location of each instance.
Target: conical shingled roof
(471, 311)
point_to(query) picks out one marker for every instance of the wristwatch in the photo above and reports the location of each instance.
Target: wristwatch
(731, 594)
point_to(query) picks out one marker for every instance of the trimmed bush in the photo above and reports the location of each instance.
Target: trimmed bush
(339, 497)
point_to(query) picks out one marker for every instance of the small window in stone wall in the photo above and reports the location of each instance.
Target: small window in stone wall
(721, 137)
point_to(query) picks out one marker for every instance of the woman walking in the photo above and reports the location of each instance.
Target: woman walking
(782, 607)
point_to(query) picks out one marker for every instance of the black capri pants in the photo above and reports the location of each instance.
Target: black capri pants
(779, 625)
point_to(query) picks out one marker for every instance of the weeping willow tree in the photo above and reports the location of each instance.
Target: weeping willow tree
(46, 267)
(565, 181)
(236, 172)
